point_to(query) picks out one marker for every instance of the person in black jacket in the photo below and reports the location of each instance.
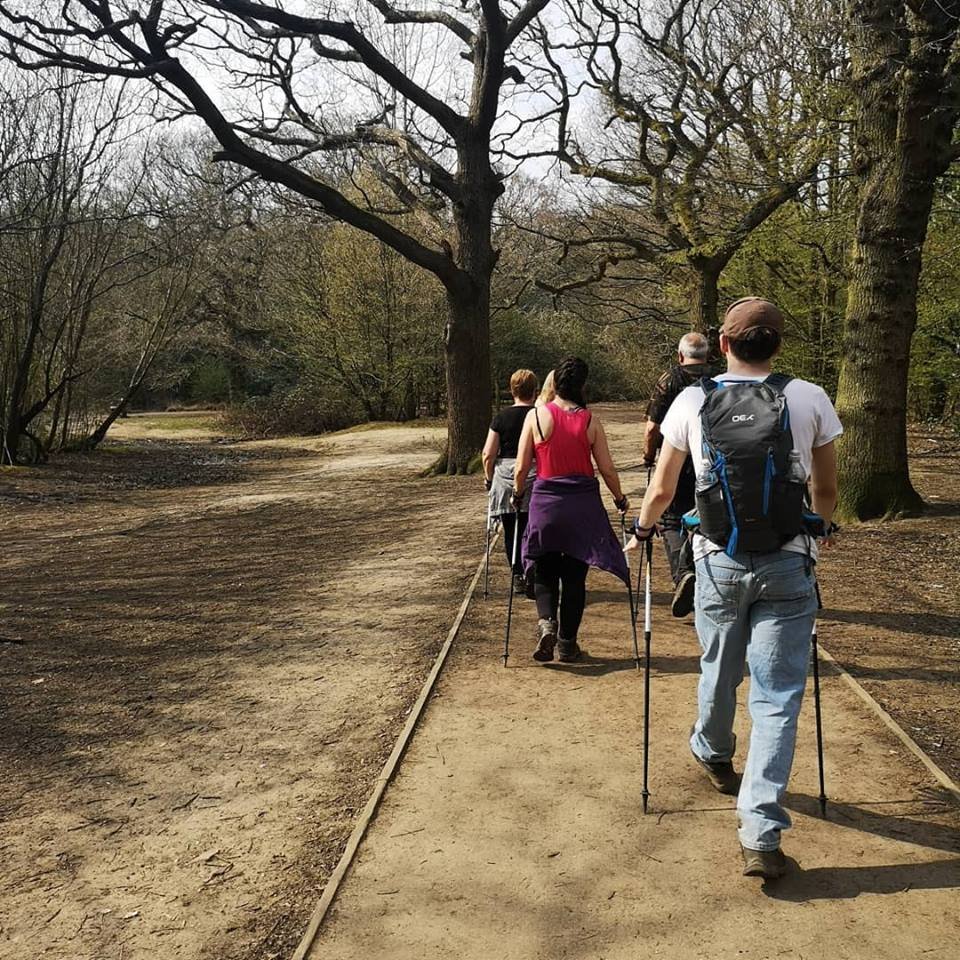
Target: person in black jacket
(499, 457)
(691, 365)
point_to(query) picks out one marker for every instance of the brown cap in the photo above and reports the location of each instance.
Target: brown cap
(750, 312)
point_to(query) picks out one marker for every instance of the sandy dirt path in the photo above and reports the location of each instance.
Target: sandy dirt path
(199, 684)
(514, 829)
(206, 653)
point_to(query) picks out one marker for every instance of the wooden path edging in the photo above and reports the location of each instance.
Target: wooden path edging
(383, 781)
(939, 775)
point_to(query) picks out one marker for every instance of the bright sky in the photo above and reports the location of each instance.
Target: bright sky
(338, 95)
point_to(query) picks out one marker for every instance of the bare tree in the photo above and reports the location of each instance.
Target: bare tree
(101, 256)
(430, 131)
(357, 315)
(56, 243)
(711, 117)
(906, 64)
(157, 301)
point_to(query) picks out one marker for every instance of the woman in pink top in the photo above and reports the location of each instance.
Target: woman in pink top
(568, 530)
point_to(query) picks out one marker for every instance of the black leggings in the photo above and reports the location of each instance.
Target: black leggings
(550, 572)
(509, 520)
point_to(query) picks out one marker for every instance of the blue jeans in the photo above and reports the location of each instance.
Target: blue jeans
(759, 608)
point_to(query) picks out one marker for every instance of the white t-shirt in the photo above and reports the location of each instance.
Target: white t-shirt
(813, 422)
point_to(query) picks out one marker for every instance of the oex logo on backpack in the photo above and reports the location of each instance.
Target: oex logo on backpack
(741, 418)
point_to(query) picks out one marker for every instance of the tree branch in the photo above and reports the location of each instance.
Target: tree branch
(523, 18)
(365, 51)
(392, 14)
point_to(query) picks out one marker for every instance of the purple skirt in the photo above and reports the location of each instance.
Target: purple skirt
(567, 516)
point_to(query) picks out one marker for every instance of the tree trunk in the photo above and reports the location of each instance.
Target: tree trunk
(54, 427)
(408, 406)
(10, 443)
(704, 300)
(467, 346)
(67, 413)
(704, 296)
(148, 356)
(872, 390)
(901, 145)
(468, 387)
(97, 436)
(467, 336)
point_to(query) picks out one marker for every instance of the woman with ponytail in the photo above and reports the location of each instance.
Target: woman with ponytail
(568, 530)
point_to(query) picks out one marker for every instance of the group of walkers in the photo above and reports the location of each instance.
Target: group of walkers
(550, 486)
(742, 491)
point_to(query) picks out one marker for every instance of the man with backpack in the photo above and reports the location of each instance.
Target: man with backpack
(691, 366)
(756, 439)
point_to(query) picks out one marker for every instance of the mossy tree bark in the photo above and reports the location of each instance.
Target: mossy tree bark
(705, 294)
(904, 80)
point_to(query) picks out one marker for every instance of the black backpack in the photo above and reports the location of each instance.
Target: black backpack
(751, 497)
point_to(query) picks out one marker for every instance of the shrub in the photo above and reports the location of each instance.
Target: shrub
(297, 412)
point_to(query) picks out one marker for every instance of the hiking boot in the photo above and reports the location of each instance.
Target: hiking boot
(768, 864)
(721, 775)
(683, 595)
(547, 638)
(569, 652)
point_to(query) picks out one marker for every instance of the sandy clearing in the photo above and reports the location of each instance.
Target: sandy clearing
(205, 682)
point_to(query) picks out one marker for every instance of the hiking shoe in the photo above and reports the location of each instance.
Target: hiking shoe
(569, 652)
(768, 864)
(683, 595)
(547, 638)
(720, 772)
(721, 775)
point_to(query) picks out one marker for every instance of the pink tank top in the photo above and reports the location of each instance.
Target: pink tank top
(566, 452)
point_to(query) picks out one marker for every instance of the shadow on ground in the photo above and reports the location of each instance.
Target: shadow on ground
(844, 883)
(940, 625)
(900, 825)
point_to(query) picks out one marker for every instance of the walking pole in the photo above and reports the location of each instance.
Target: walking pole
(640, 566)
(816, 704)
(486, 572)
(633, 610)
(513, 563)
(646, 675)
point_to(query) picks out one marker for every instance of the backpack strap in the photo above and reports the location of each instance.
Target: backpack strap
(708, 385)
(778, 381)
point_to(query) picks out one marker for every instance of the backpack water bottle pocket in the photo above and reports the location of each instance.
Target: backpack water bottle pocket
(713, 512)
(813, 524)
(786, 506)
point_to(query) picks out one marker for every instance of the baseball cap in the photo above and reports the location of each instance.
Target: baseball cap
(750, 312)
